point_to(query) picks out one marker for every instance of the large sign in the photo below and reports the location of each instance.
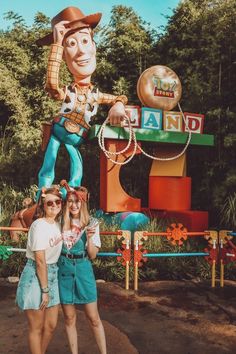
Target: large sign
(172, 121)
(159, 87)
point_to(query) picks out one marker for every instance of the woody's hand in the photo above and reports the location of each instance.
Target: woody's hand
(117, 114)
(59, 32)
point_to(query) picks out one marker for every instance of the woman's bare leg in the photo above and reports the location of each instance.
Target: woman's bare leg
(91, 311)
(35, 322)
(50, 322)
(69, 312)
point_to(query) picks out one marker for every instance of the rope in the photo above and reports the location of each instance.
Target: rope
(132, 138)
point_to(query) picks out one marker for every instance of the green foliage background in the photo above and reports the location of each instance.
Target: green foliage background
(199, 44)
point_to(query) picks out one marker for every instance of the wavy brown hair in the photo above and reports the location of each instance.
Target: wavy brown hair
(40, 212)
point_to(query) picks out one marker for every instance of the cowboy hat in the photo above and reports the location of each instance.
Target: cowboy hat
(76, 20)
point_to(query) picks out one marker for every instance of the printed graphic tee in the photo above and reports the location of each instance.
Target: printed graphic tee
(44, 236)
(70, 237)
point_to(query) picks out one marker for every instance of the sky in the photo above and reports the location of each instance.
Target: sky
(152, 11)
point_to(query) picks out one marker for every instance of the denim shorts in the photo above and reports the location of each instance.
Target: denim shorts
(29, 295)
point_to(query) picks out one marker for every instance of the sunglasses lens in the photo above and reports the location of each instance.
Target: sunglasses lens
(51, 202)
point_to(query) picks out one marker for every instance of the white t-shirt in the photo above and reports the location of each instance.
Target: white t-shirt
(70, 237)
(44, 236)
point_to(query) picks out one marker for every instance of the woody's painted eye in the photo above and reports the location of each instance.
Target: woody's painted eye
(71, 42)
(84, 40)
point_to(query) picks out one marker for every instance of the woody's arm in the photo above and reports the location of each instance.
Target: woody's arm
(54, 62)
(105, 98)
(117, 111)
(52, 80)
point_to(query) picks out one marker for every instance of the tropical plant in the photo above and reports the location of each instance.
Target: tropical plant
(228, 212)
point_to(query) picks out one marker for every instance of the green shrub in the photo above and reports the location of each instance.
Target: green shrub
(14, 265)
(228, 212)
(11, 200)
(108, 268)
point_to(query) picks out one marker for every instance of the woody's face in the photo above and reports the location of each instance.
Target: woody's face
(80, 54)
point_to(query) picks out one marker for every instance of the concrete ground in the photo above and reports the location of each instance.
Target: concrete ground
(164, 317)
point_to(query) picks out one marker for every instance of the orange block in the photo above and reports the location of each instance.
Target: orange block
(169, 193)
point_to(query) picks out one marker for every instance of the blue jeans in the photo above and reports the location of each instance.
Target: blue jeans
(71, 141)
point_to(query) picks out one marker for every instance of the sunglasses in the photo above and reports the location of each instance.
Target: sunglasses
(50, 203)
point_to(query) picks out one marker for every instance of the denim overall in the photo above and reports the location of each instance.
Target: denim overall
(76, 279)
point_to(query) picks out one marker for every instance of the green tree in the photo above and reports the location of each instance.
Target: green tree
(200, 45)
(123, 52)
(24, 105)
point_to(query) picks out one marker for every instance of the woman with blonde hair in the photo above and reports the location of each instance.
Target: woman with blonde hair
(77, 285)
(37, 292)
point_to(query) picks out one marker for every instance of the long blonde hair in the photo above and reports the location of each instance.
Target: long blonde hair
(81, 193)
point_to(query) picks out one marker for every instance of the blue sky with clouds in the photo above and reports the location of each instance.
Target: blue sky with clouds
(152, 11)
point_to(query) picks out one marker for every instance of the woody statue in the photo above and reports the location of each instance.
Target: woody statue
(72, 41)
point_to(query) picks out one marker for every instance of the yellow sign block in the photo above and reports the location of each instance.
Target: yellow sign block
(172, 168)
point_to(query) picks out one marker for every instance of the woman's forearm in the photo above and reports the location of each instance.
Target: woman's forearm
(41, 270)
(66, 221)
(92, 249)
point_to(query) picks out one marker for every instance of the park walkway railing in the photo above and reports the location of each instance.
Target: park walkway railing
(220, 249)
(122, 254)
(176, 234)
(227, 251)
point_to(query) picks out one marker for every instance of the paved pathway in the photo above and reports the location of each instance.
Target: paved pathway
(165, 317)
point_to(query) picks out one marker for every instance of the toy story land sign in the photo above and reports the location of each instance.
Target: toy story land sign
(159, 87)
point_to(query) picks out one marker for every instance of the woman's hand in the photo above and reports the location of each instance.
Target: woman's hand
(91, 248)
(90, 231)
(45, 301)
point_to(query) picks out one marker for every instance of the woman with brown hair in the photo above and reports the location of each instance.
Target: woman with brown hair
(77, 285)
(37, 292)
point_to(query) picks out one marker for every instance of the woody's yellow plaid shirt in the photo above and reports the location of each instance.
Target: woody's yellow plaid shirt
(58, 93)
